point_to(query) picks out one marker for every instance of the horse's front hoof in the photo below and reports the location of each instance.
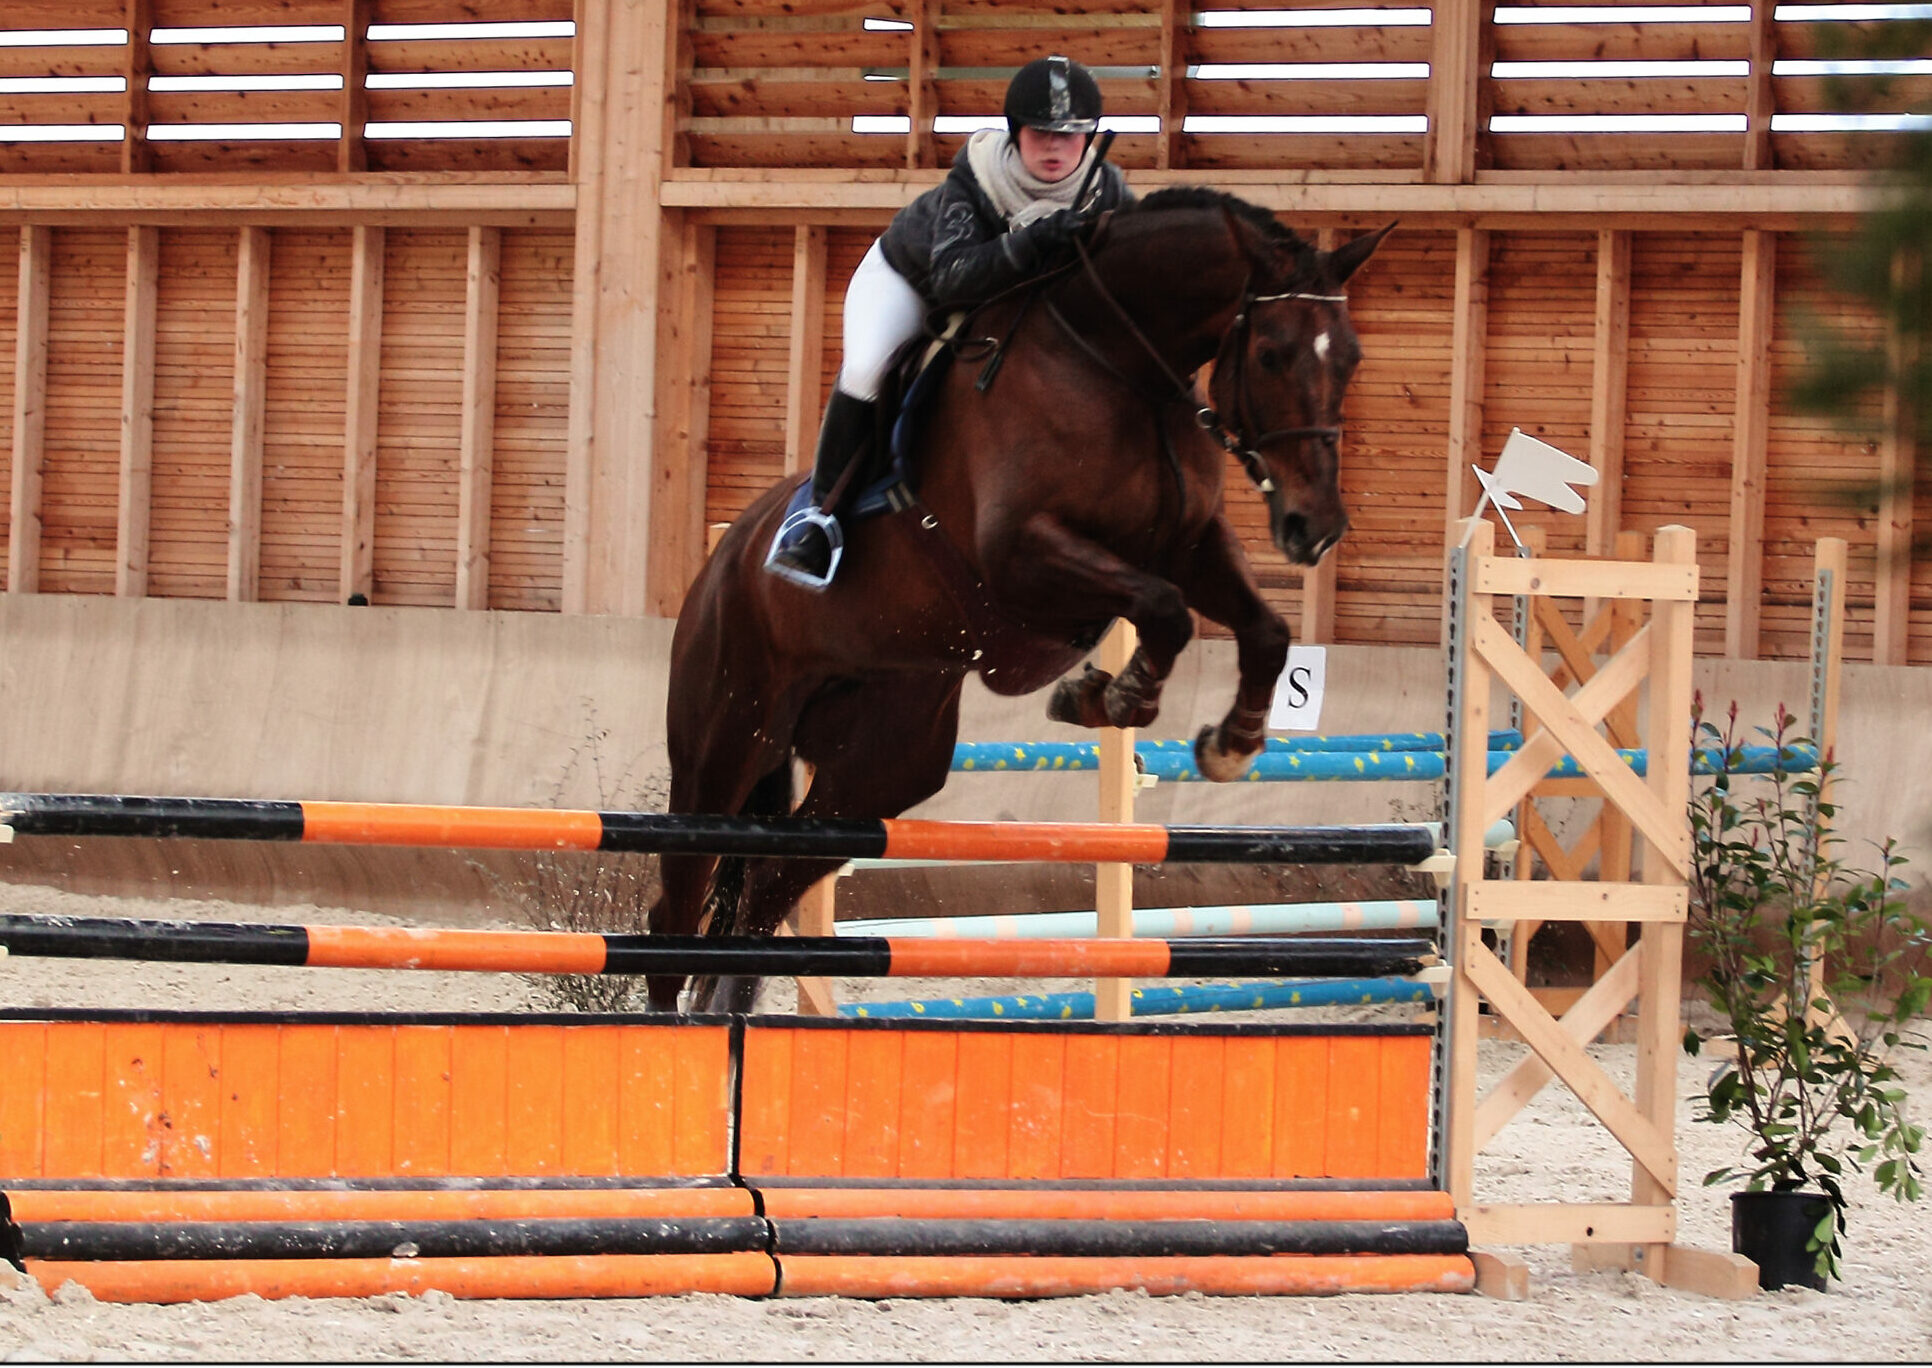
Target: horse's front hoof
(1216, 761)
(1081, 702)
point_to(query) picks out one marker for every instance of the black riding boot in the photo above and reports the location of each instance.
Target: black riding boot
(806, 546)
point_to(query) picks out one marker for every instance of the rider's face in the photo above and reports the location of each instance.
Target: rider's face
(1051, 156)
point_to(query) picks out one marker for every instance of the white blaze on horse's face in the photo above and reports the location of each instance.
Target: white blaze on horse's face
(1305, 509)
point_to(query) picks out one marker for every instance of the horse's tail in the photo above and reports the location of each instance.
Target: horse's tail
(771, 796)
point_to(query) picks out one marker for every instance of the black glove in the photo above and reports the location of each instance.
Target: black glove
(1045, 240)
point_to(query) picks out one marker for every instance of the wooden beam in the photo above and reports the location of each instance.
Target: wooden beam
(678, 545)
(1471, 700)
(1652, 1146)
(277, 199)
(137, 413)
(803, 381)
(29, 409)
(245, 443)
(1744, 579)
(1588, 900)
(1583, 1022)
(1501, 1275)
(481, 285)
(1707, 1272)
(136, 150)
(589, 96)
(623, 256)
(1897, 464)
(1760, 94)
(1114, 883)
(358, 548)
(924, 84)
(1580, 579)
(1567, 1222)
(1609, 386)
(1459, 91)
(1660, 949)
(1468, 342)
(1170, 152)
(1536, 200)
(351, 154)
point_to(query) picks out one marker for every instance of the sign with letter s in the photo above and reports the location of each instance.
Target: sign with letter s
(1298, 693)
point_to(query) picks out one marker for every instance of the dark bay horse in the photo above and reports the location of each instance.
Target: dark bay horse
(1085, 485)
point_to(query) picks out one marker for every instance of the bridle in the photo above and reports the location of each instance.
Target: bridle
(1233, 439)
(1248, 449)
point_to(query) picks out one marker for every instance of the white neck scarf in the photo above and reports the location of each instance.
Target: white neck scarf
(1019, 195)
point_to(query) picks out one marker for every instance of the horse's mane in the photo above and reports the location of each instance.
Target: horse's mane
(1296, 250)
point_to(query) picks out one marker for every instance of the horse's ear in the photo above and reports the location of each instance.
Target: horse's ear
(1347, 259)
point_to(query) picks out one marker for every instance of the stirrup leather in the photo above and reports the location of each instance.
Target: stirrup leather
(834, 534)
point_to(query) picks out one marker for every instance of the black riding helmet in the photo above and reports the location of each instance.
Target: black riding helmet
(1055, 94)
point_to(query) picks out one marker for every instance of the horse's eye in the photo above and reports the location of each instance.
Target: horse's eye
(1269, 358)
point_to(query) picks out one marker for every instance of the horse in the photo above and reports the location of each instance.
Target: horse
(1084, 484)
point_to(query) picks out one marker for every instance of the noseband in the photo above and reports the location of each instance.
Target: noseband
(1233, 439)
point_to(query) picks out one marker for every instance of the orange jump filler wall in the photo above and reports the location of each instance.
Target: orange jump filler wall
(166, 1096)
(163, 1157)
(1007, 1100)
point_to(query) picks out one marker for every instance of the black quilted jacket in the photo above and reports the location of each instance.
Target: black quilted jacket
(951, 244)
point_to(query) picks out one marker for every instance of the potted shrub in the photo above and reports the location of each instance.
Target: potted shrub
(1818, 971)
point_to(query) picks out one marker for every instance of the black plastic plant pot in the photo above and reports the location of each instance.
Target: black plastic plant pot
(1771, 1229)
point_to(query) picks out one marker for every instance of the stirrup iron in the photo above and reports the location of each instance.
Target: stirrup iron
(834, 534)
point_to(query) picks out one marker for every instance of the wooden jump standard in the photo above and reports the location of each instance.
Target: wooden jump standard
(1649, 661)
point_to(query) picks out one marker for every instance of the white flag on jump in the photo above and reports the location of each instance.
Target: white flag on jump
(1528, 468)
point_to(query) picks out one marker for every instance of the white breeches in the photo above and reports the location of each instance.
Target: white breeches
(882, 313)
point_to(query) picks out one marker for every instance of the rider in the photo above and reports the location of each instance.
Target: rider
(1003, 214)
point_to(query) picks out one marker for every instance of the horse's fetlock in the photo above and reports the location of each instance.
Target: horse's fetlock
(1134, 699)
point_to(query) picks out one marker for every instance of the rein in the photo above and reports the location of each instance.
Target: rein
(1232, 439)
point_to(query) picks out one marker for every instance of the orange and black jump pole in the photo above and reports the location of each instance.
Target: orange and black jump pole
(566, 952)
(480, 828)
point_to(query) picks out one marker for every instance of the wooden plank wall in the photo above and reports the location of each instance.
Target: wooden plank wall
(1538, 347)
(750, 359)
(532, 415)
(1390, 565)
(194, 369)
(178, 531)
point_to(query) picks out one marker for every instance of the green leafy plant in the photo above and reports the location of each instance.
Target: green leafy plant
(1818, 970)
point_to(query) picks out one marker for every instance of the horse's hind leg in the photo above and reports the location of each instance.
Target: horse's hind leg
(1219, 583)
(876, 749)
(716, 767)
